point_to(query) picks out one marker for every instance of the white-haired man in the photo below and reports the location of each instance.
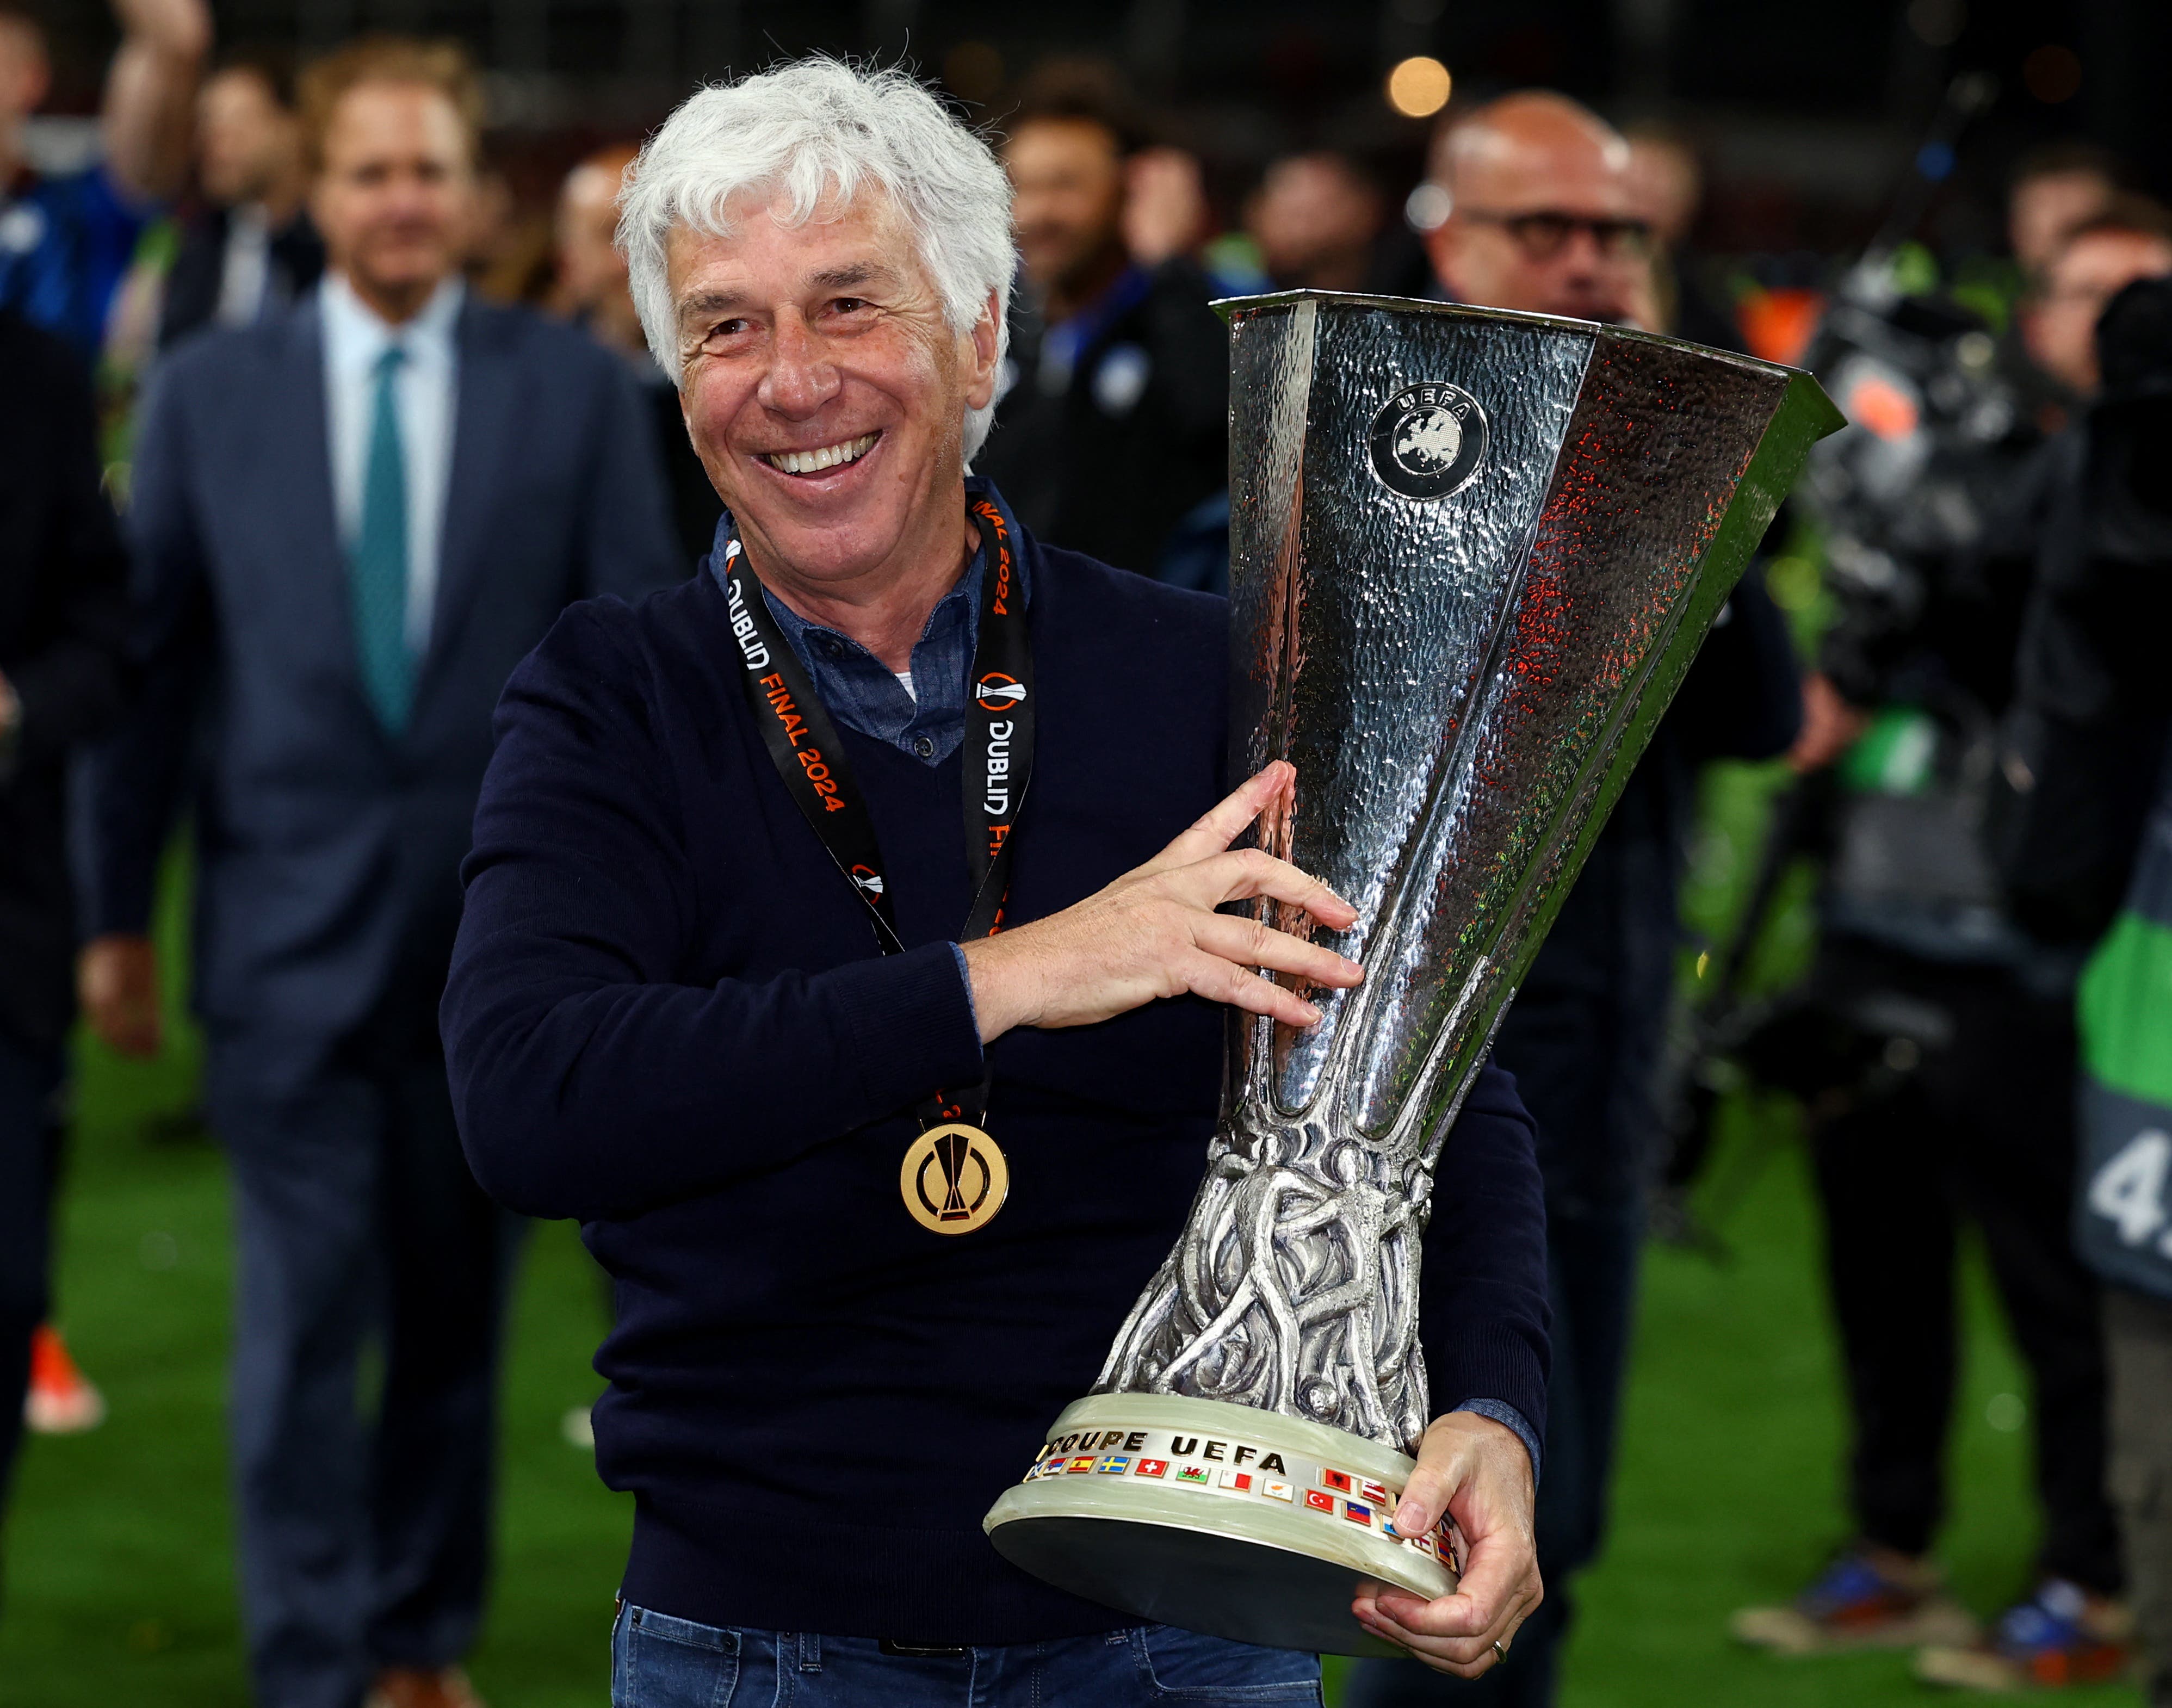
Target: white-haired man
(673, 1017)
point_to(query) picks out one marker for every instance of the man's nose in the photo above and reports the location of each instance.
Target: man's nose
(410, 197)
(801, 377)
(1581, 254)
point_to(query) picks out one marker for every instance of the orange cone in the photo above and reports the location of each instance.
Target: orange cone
(61, 1400)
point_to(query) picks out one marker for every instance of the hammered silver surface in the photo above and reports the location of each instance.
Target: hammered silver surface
(1462, 684)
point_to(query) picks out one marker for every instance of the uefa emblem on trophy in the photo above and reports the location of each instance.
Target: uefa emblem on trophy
(1472, 555)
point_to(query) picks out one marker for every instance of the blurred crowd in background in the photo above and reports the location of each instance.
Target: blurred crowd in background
(1959, 637)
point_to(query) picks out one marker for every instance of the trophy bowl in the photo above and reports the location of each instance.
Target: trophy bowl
(1472, 554)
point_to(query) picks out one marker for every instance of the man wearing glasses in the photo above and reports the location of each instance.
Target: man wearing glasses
(1536, 213)
(1539, 212)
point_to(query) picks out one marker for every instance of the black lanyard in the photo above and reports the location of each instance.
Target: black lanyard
(803, 745)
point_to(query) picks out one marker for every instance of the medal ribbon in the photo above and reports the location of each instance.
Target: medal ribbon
(804, 746)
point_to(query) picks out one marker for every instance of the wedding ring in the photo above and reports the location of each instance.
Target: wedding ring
(1500, 1652)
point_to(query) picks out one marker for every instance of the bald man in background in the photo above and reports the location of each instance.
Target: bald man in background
(1540, 213)
(1543, 218)
(591, 291)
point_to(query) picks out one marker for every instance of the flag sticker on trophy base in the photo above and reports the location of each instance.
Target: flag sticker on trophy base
(1472, 554)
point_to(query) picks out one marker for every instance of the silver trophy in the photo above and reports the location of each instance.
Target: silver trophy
(1472, 554)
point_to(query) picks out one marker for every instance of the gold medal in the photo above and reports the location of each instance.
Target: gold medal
(953, 1178)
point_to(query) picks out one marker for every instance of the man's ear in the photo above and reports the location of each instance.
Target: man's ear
(980, 374)
(37, 81)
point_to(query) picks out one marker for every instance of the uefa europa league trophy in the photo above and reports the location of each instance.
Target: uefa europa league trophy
(1472, 554)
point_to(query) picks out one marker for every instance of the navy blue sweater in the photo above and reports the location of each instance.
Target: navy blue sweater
(667, 1018)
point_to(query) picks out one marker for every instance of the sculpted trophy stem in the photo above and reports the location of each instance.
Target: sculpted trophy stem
(1294, 1287)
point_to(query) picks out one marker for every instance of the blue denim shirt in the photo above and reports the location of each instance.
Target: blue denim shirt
(858, 689)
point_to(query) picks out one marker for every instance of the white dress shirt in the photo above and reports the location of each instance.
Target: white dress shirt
(427, 387)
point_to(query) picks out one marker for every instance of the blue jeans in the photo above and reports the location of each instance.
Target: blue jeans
(658, 1661)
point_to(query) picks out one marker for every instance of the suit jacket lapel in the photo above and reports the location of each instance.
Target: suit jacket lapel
(483, 431)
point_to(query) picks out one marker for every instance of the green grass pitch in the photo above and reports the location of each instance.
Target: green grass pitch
(119, 1576)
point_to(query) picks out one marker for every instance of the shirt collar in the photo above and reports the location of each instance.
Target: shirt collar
(859, 689)
(957, 615)
(357, 334)
(976, 486)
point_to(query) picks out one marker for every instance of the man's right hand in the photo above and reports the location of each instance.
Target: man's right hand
(117, 981)
(1830, 725)
(1154, 932)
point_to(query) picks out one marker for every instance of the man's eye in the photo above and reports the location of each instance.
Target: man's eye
(848, 305)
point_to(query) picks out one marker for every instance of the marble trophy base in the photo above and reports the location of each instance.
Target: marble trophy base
(1219, 1518)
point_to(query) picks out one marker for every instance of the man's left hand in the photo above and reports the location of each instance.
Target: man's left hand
(1476, 1471)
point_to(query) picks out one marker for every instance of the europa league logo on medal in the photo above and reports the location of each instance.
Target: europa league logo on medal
(953, 1179)
(1428, 440)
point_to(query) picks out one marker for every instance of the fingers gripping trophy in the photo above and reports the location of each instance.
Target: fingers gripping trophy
(1472, 555)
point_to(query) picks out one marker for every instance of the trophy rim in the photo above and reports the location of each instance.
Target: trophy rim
(1229, 307)
(1324, 1441)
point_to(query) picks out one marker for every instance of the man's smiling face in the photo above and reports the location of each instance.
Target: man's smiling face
(824, 387)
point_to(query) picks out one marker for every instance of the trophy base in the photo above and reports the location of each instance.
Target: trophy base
(1219, 1518)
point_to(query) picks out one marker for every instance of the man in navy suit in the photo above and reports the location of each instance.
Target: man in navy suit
(350, 523)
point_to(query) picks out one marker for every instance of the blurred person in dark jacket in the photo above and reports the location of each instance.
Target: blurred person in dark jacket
(1113, 430)
(2088, 855)
(1935, 1048)
(63, 626)
(66, 240)
(250, 249)
(1315, 218)
(349, 522)
(591, 289)
(1542, 220)
(2052, 191)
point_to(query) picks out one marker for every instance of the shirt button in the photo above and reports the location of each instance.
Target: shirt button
(924, 746)
(834, 648)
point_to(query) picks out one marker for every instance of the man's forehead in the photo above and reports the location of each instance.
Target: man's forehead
(763, 253)
(1572, 172)
(2078, 182)
(384, 113)
(1071, 132)
(238, 83)
(589, 186)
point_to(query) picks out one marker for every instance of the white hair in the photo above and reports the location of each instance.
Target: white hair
(813, 134)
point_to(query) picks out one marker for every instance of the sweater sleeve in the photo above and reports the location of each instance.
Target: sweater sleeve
(1482, 1311)
(589, 1081)
(133, 786)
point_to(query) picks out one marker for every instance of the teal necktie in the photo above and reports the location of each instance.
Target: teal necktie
(378, 582)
